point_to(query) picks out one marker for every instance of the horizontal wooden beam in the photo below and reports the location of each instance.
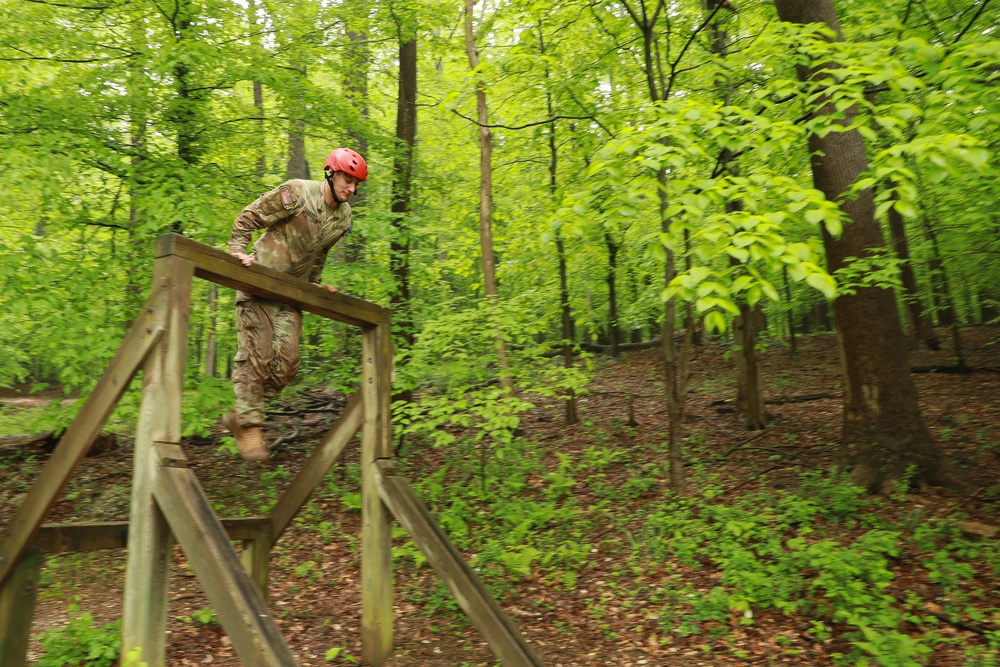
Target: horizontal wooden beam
(221, 267)
(55, 538)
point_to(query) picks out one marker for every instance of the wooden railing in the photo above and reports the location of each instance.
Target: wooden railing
(169, 503)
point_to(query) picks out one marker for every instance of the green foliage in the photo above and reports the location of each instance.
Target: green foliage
(837, 585)
(80, 643)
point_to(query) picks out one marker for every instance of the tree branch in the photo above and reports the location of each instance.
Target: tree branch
(527, 125)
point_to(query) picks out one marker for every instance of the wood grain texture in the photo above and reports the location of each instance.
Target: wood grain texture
(57, 538)
(376, 534)
(17, 609)
(496, 627)
(222, 268)
(232, 593)
(144, 615)
(256, 557)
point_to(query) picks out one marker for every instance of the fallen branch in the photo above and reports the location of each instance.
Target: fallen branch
(805, 398)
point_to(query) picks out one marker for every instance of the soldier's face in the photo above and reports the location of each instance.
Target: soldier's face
(344, 185)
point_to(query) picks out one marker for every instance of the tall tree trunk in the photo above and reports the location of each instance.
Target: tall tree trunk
(486, 202)
(675, 358)
(258, 105)
(614, 331)
(402, 185)
(923, 330)
(884, 437)
(184, 111)
(138, 99)
(566, 316)
(790, 313)
(297, 166)
(212, 342)
(356, 66)
(749, 402)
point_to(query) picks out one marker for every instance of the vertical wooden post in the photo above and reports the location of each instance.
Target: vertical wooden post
(376, 537)
(17, 609)
(256, 559)
(144, 616)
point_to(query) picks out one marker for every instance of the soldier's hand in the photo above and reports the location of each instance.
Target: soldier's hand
(329, 288)
(246, 260)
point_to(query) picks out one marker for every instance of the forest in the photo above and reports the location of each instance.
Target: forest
(695, 313)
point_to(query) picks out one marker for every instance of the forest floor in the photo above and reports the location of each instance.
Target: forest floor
(609, 579)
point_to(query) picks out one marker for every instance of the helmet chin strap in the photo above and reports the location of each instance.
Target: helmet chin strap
(333, 192)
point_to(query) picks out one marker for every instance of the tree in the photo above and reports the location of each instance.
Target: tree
(486, 197)
(884, 438)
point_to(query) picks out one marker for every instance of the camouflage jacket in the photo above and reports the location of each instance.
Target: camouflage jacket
(300, 228)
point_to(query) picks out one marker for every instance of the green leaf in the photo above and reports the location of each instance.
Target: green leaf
(824, 283)
(715, 322)
(815, 216)
(905, 208)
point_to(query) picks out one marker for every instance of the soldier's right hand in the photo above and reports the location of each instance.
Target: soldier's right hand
(246, 260)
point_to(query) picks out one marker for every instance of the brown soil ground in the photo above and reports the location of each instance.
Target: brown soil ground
(319, 609)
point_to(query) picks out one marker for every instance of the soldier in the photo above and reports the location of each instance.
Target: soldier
(302, 220)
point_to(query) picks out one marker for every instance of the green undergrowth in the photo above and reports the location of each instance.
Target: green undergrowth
(825, 556)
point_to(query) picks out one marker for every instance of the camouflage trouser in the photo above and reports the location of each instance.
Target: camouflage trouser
(267, 334)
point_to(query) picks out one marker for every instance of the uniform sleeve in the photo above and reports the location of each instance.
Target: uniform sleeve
(270, 208)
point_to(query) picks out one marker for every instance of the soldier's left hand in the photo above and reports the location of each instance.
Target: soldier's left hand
(329, 288)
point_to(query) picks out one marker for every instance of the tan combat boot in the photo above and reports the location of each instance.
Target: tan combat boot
(250, 439)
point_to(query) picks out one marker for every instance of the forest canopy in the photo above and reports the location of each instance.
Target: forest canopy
(623, 135)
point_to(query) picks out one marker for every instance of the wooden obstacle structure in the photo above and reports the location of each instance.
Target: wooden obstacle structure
(168, 504)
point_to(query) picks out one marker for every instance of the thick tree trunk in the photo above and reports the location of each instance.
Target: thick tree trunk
(884, 437)
(402, 186)
(486, 201)
(923, 329)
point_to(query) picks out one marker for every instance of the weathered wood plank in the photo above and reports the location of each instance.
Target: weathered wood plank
(144, 619)
(75, 442)
(256, 559)
(314, 470)
(17, 609)
(55, 538)
(376, 534)
(230, 590)
(496, 627)
(221, 267)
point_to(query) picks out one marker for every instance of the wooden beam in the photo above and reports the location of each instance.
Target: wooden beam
(17, 609)
(496, 627)
(147, 572)
(376, 534)
(221, 267)
(314, 470)
(230, 590)
(256, 559)
(56, 538)
(73, 446)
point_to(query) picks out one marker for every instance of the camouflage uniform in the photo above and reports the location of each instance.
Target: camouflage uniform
(300, 230)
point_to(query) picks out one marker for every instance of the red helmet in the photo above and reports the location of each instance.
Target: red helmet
(344, 159)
